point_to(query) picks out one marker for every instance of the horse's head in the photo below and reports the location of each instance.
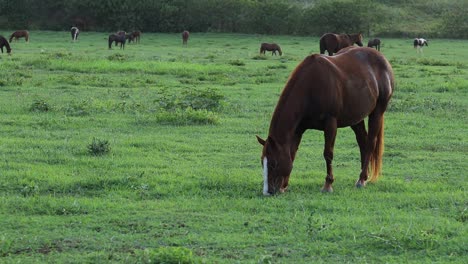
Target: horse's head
(359, 40)
(277, 166)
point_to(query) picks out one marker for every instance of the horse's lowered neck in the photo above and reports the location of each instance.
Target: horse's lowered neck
(285, 125)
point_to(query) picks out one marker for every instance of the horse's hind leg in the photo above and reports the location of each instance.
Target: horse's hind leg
(330, 135)
(375, 127)
(361, 138)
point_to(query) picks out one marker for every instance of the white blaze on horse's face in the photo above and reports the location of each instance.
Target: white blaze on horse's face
(265, 176)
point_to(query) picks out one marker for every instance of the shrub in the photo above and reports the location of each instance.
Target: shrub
(197, 99)
(39, 106)
(237, 63)
(166, 255)
(187, 116)
(259, 57)
(117, 57)
(77, 108)
(99, 147)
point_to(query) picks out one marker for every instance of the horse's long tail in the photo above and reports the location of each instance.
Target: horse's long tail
(322, 46)
(376, 156)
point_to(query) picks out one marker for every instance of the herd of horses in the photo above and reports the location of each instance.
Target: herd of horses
(119, 38)
(324, 92)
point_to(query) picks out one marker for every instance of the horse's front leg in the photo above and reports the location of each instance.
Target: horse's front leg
(330, 135)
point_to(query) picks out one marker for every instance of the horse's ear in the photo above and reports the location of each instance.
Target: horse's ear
(261, 141)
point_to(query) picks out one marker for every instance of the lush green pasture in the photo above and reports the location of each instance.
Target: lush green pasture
(181, 180)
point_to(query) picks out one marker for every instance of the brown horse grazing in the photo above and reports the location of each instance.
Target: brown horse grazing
(118, 39)
(4, 43)
(374, 43)
(334, 42)
(273, 47)
(136, 36)
(326, 93)
(185, 37)
(20, 34)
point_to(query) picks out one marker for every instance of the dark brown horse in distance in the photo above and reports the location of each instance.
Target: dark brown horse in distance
(117, 39)
(335, 42)
(136, 36)
(4, 43)
(326, 93)
(185, 37)
(273, 47)
(20, 34)
(374, 43)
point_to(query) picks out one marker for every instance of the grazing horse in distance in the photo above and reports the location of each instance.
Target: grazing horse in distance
(136, 36)
(4, 43)
(20, 34)
(374, 43)
(334, 42)
(326, 93)
(419, 43)
(74, 33)
(273, 47)
(185, 37)
(129, 37)
(118, 39)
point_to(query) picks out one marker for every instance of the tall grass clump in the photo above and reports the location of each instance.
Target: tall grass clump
(40, 105)
(99, 147)
(166, 255)
(191, 106)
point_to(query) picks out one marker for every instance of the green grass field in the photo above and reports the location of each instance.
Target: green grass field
(148, 155)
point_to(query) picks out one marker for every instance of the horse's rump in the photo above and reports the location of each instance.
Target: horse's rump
(185, 37)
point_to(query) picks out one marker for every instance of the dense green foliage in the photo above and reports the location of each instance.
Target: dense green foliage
(181, 181)
(428, 18)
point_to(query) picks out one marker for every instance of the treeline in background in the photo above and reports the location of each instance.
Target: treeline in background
(390, 18)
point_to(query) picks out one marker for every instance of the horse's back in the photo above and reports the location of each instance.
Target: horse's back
(366, 67)
(348, 85)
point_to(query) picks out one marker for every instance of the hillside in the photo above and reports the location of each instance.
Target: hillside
(391, 18)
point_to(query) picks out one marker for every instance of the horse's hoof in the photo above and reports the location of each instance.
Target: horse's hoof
(328, 189)
(360, 184)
